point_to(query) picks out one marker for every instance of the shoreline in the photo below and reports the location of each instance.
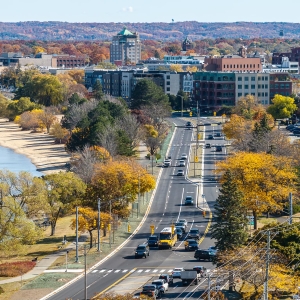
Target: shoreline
(40, 148)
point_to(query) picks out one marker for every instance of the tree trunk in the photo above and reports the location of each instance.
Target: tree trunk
(255, 219)
(53, 226)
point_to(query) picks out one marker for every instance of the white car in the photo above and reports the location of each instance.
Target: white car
(183, 156)
(213, 249)
(183, 221)
(181, 163)
(161, 284)
(176, 273)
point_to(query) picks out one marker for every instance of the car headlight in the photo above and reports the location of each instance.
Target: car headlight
(136, 253)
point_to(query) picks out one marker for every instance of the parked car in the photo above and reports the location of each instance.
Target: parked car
(180, 173)
(189, 200)
(151, 290)
(142, 251)
(190, 245)
(183, 221)
(218, 134)
(218, 148)
(194, 234)
(181, 226)
(153, 241)
(168, 278)
(210, 137)
(290, 127)
(204, 255)
(179, 232)
(161, 284)
(208, 145)
(181, 163)
(176, 273)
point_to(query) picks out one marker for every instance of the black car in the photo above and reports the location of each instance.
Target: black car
(194, 234)
(168, 278)
(190, 245)
(153, 241)
(204, 255)
(181, 225)
(218, 134)
(189, 200)
(188, 125)
(218, 148)
(210, 137)
(179, 232)
(142, 251)
(208, 145)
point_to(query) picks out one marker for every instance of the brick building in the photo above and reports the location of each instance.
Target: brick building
(280, 83)
(71, 61)
(293, 56)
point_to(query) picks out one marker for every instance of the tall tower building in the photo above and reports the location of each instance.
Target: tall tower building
(125, 48)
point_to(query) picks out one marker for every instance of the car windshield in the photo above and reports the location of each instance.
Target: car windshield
(188, 198)
(157, 283)
(148, 287)
(152, 238)
(140, 248)
(194, 231)
(192, 242)
(179, 224)
(182, 221)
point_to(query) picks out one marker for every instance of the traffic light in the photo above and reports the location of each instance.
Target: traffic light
(95, 223)
(108, 227)
(191, 113)
(101, 225)
(128, 228)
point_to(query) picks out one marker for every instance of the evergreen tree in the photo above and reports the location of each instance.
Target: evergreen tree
(97, 90)
(231, 222)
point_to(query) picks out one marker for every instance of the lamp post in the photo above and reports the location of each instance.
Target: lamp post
(181, 105)
(76, 257)
(67, 261)
(203, 198)
(98, 249)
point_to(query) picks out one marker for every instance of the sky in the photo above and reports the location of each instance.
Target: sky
(105, 11)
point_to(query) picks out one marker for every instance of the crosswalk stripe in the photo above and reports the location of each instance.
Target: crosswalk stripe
(117, 271)
(102, 271)
(109, 271)
(161, 271)
(140, 271)
(95, 271)
(132, 270)
(124, 271)
(147, 271)
(170, 271)
(154, 271)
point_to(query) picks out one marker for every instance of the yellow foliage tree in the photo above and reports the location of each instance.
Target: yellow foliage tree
(38, 49)
(176, 68)
(101, 153)
(191, 69)
(119, 182)
(77, 75)
(235, 128)
(264, 180)
(150, 131)
(88, 221)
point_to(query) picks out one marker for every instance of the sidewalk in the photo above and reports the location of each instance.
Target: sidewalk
(46, 262)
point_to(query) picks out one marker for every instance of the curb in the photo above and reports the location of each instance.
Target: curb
(124, 243)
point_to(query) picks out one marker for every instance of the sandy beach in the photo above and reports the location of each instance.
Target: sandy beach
(40, 148)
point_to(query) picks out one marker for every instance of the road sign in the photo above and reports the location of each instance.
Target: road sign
(251, 220)
(196, 159)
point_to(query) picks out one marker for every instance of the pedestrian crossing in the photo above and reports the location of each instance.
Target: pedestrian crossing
(138, 271)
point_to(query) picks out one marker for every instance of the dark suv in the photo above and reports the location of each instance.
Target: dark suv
(142, 251)
(204, 255)
(151, 291)
(191, 244)
(153, 241)
(168, 278)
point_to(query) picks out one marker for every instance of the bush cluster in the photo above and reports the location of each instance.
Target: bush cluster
(17, 268)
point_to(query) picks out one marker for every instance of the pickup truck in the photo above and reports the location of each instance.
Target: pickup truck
(189, 277)
(151, 291)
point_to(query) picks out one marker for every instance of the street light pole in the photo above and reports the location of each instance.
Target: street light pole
(85, 279)
(98, 249)
(76, 259)
(67, 261)
(110, 225)
(181, 105)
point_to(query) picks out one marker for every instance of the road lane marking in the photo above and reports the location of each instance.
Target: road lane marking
(95, 271)
(140, 271)
(109, 271)
(133, 270)
(124, 271)
(102, 271)
(175, 287)
(154, 271)
(147, 271)
(170, 271)
(180, 205)
(161, 271)
(117, 271)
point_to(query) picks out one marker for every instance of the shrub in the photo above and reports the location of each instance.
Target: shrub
(17, 268)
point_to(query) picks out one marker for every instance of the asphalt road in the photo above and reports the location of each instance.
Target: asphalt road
(167, 207)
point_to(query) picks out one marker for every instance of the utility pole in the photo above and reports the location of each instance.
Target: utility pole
(198, 115)
(267, 266)
(110, 222)
(85, 279)
(181, 106)
(98, 249)
(291, 208)
(208, 293)
(76, 259)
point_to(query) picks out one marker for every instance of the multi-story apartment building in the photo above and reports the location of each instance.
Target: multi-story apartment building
(280, 83)
(214, 89)
(71, 61)
(125, 48)
(255, 84)
(294, 55)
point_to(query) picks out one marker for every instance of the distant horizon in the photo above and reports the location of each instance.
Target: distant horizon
(140, 11)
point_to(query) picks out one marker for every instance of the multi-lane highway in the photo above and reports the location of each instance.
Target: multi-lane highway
(167, 207)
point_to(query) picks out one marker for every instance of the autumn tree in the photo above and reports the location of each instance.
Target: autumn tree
(264, 180)
(230, 229)
(30, 120)
(60, 134)
(88, 221)
(47, 119)
(77, 75)
(176, 68)
(282, 107)
(191, 69)
(118, 182)
(3, 106)
(247, 107)
(17, 107)
(65, 190)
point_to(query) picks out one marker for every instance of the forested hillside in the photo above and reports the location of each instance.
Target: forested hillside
(153, 31)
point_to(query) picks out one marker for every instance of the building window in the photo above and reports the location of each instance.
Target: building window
(246, 78)
(266, 78)
(259, 94)
(168, 76)
(287, 85)
(246, 86)
(239, 78)
(239, 86)
(252, 86)
(266, 86)
(168, 89)
(259, 78)
(266, 94)
(250, 65)
(168, 82)
(252, 78)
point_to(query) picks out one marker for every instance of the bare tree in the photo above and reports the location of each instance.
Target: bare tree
(108, 139)
(77, 112)
(47, 118)
(83, 164)
(132, 127)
